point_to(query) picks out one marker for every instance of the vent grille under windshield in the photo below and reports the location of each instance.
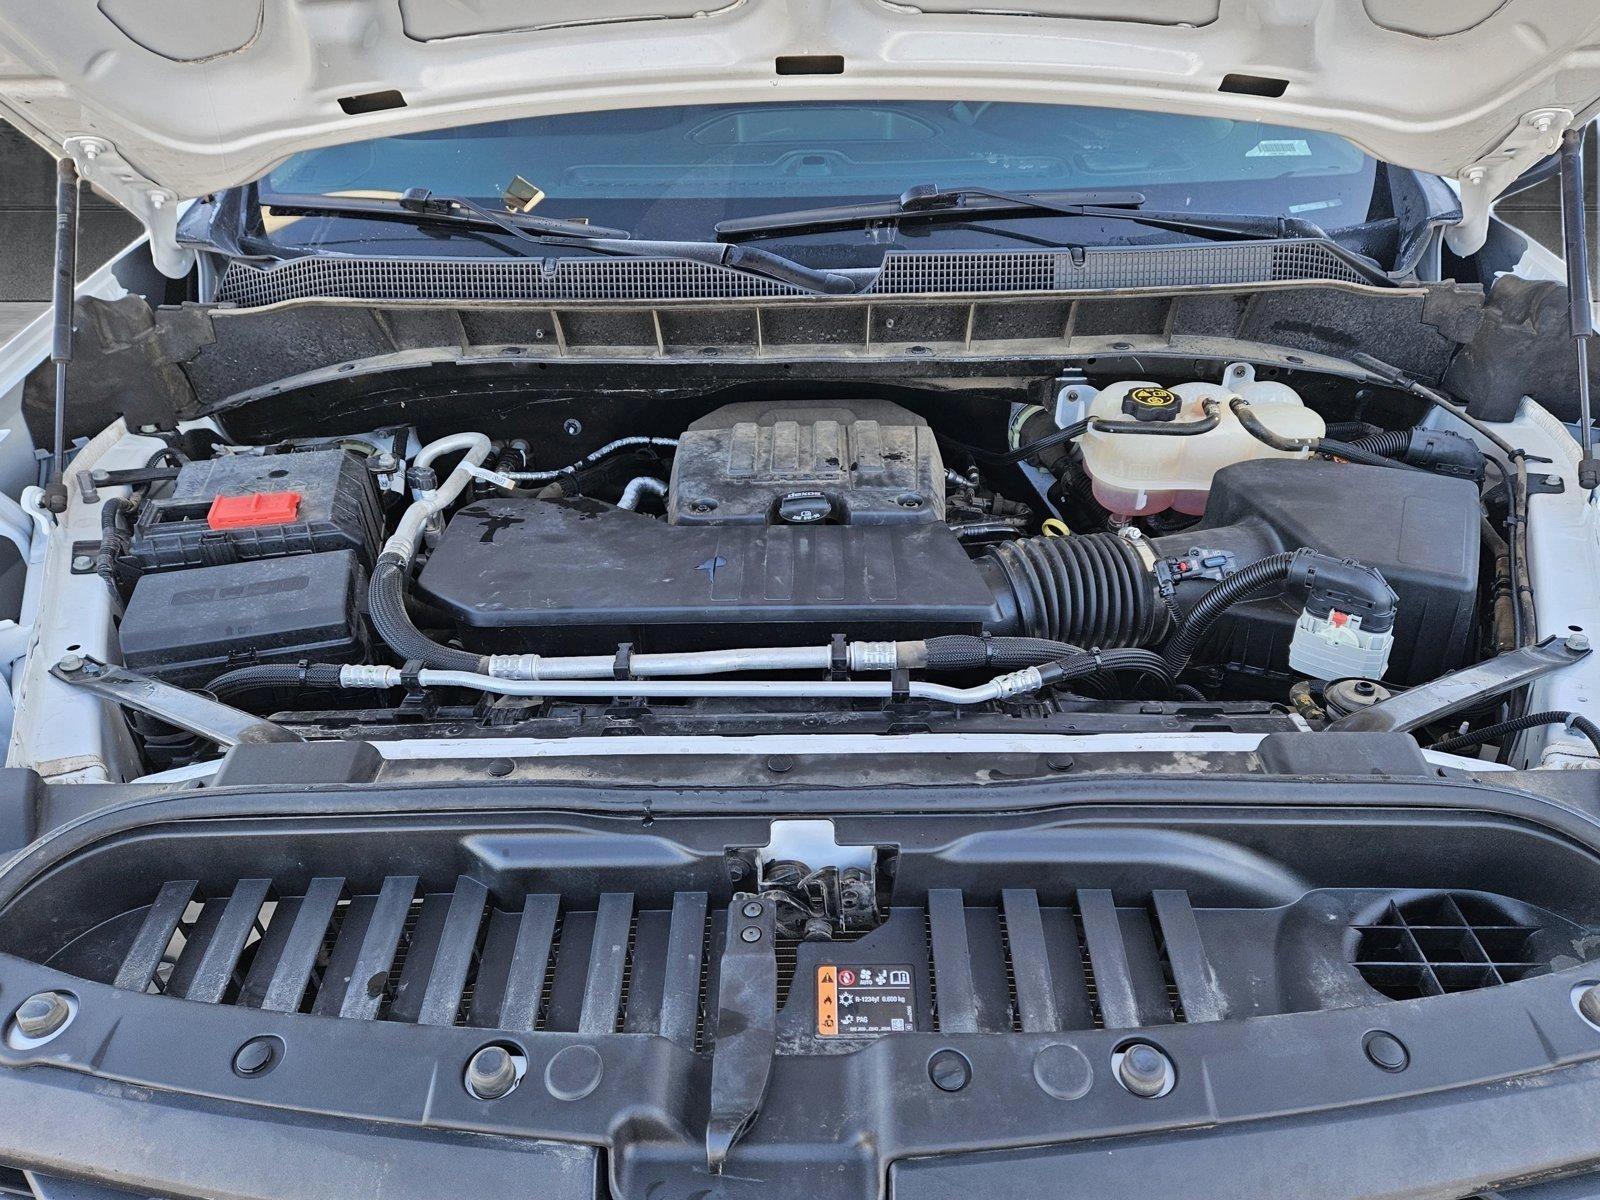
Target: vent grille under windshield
(903, 274)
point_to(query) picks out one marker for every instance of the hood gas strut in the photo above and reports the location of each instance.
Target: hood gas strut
(1574, 235)
(55, 492)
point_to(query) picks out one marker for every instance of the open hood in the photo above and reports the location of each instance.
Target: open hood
(162, 100)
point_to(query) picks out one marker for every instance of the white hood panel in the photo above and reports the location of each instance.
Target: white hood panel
(182, 97)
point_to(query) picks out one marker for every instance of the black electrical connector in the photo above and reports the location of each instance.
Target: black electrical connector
(1445, 453)
(1346, 586)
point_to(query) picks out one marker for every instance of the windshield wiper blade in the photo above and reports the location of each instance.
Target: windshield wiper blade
(926, 203)
(447, 210)
(419, 204)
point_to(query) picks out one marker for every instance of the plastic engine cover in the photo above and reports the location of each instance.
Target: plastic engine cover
(857, 462)
(580, 576)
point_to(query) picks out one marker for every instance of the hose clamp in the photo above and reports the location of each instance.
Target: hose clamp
(1141, 546)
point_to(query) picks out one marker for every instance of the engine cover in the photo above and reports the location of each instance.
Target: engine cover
(858, 462)
(580, 576)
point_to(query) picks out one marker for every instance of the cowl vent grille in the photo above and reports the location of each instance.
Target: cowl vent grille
(903, 274)
(1444, 942)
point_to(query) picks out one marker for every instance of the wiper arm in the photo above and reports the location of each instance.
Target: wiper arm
(419, 204)
(447, 210)
(928, 204)
(749, 259)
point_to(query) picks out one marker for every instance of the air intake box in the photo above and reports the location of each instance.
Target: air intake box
(1420, 530)
(580, 577)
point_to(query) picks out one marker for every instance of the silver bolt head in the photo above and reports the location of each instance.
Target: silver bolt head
(71, 662)
(1577, 641)
(42, 1014)
(82, 562)
(752, 908)
(750, 934)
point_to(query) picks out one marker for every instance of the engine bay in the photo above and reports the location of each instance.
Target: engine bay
(1218, 552)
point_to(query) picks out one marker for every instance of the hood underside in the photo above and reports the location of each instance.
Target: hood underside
(162, 100)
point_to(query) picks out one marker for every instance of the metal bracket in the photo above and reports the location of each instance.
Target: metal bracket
(217, 722)
(1450, 693)
(99, 162)
(1546, 485)
(1536, 136)
(1074, 395)
(747, 1030)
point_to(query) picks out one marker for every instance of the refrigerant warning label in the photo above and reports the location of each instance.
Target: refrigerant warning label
(857, 1001)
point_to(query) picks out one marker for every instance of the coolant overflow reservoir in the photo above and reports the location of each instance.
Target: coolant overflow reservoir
(1150, 448)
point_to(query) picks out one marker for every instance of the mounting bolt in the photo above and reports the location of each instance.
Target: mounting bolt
(1577, 642)
(70, 663)
(82, 562)
(752, 909)
(750, 934)
(491, 1073)
(42, 1015)
(572, 427)
(1145, 1071)
(1475, 175)
(92, 150)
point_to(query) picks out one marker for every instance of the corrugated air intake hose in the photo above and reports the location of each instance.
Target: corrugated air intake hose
(1086, 591)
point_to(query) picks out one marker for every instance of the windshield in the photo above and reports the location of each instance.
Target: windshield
(677, 170)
